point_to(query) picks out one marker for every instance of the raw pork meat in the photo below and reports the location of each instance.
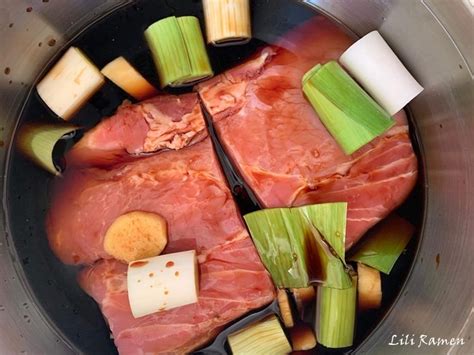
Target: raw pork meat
(187, 188)
(281, 148)
(163, 122)
(232, 282)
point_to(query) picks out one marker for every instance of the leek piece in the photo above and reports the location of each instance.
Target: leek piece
(292, 248)
(162, 282)
(178, 51)
(376, 67)
(334, 274)
(302, 337)
(126, 77)
(351, 116)
(284, 259)
(169, 51)
(369, 287)
(335, 315)
(261, 338)
(37, 142)
(227, 22)
(303, 296)
(330, 219)
(384, 243)
(285, 308)
(70, 83)
(196, 49)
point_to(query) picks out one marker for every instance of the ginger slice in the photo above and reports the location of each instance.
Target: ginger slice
(136, 235)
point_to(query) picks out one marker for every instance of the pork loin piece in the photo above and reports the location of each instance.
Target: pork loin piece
(232, 282)
(186, 187)
(282, 149)
(160, 123)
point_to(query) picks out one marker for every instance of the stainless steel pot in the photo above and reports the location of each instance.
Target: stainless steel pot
(435, 40)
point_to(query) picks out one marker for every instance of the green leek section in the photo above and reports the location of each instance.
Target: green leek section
(335, 315)
(291, 245)
(263, 337)
(196, 48)
(384, 243)
(323, 266)
(351, 116)
(37, 142)
(272, 235)
(178, 50)
(330, 219)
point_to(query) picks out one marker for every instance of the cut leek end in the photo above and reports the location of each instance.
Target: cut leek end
(227, 22)
(200, 65)
(309, 74)
(168, 50)
(191, 80)
(377, 68)
(70, 83)
(383, 244)
(231, 41)
(285, 309)
(302, 337)
(264, 337)
(351, 116)
(125, 76)
(335, 316)
(179, 51)
(369, 287)
(303, 297)
(162, 282)
(37, 142)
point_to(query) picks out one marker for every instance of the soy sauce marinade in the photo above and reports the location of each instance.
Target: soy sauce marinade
(121, 34)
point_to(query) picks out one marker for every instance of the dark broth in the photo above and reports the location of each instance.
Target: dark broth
(74, 315)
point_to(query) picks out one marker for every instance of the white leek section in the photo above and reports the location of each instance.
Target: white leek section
(377, 68)
(369, 287)
(227, 21)
(70, 83)
(126, 77)
(162, 282)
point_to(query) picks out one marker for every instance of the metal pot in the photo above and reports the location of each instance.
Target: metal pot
(434, 38)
